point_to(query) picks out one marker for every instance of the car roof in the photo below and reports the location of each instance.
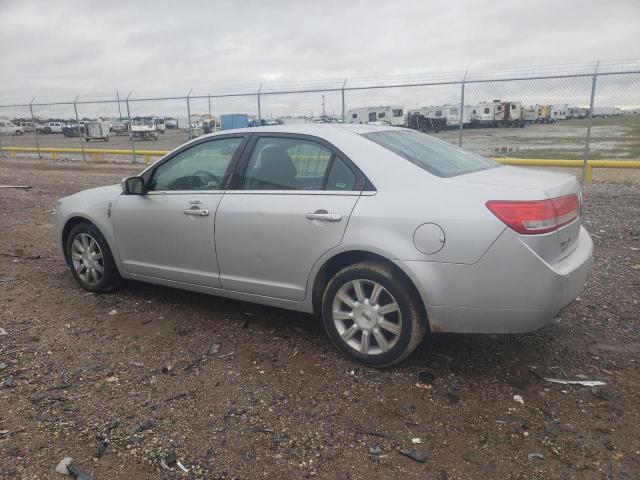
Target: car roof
(318, 129)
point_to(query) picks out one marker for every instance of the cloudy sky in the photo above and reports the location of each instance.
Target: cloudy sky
(58, 47)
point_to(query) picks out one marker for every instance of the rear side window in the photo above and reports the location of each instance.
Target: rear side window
(286, 164)
(296, 164)
(435, 156)
(340, 176)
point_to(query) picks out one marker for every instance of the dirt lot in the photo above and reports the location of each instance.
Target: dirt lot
(131, 372)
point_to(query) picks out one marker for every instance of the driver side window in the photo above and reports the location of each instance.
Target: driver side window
(201, 167)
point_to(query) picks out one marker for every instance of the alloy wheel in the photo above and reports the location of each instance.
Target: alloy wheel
(87, 258)
(367, 317)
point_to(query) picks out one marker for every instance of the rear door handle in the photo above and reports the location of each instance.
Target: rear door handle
(196, 211)
(328, 217)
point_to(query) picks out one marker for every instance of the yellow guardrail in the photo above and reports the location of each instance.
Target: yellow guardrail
(554, 162)
(99, 153)
(95, 153)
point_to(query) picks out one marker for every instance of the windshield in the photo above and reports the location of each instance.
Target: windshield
(435, 156)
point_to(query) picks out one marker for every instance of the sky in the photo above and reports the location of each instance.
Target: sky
(55, 48)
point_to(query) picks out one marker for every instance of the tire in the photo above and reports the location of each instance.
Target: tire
(19, 133)
(401, 329)
(110, 279)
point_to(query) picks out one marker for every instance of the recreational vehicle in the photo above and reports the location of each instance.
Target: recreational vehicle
(390, 115)
(559, 112)
(450, 113)
(497, 114)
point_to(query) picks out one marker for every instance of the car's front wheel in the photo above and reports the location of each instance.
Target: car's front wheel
(372, 314)
(90, 259)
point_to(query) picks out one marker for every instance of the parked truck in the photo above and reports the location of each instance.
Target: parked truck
(144, 128)
(8, 128)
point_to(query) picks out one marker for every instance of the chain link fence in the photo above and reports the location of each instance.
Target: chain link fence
(577, 111)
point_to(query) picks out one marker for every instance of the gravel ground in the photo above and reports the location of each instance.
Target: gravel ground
(135, 377)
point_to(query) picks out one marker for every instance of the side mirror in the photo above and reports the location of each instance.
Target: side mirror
(133, 186)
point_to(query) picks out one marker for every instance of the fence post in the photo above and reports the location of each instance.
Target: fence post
(35, 130)
(119, 111)
(133, 142)
(462, 108)
(189, 116)
(586, 175)
(259, 111)
(209, 101)
(75, 108)
(344, 120)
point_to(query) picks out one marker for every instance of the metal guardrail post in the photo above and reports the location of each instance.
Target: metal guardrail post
(585, 171)
(35, 130)
(462, 108)
(75, 108)
(344, 84)
(209, 102)
(259, 110)
(133, 142)
(189, 130)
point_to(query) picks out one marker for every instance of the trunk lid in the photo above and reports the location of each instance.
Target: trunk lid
(533, 184)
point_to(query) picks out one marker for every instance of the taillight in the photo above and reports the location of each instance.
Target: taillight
(536, 216)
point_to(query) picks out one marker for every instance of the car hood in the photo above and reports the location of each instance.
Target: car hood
(107, 192)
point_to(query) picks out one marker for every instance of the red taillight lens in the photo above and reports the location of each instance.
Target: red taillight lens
(537, 216)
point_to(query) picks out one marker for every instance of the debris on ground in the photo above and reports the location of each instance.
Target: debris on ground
(375, 450)
(102, 448)
(214, 349)
(23, 187)
(584, 383)
(113, 312)
(536, 455)
(412, 454)
(425, 380)
(62, 466)
(416, 441)
(3, 332)
(146, 425)
(518, 398)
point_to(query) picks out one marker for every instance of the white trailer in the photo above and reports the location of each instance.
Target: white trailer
(559, 111)
(577, 112)
(606, 111)
(96, 131)
(450, 113)
(390, 114)
(497, 114)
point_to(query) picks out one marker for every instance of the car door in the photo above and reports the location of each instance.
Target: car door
(289, 203)
(168, 231)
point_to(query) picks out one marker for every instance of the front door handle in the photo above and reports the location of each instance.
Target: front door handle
(196, 211)
(327, 217)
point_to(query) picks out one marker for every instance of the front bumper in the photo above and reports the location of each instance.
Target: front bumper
(509, 290)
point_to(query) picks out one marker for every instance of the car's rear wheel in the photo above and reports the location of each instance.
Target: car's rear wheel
(90, 259)
(372, 314)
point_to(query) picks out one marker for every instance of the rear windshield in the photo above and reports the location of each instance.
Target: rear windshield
(435, 156)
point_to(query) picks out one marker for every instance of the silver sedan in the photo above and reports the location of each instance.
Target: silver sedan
(385, 232)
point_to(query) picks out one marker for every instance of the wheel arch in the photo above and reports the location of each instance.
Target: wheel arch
(343, 259)
(66, 230)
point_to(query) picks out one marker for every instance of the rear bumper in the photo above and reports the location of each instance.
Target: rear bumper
(509, 290)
